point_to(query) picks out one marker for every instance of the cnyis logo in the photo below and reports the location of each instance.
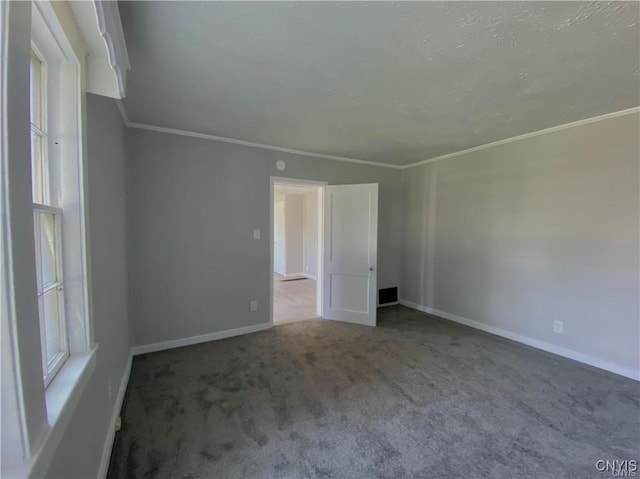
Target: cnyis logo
(618, 468)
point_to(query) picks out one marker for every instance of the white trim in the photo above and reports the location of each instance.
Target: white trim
(320, 255)
(294, 276)
(204, 136)
(278, 180)
(110, 29)
(15, 441)
(123, 113)
(46, 14)
(62, 398)
(416, 306)
(53, 44)
(111, 427)
(271, 249)
(553, 129)
(309, 276)
(281, 180)
(107, 59)
(203, 338)
(551, 348)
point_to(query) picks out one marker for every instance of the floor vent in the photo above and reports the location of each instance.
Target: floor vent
(388, 295)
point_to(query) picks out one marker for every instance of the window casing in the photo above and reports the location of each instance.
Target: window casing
(36, 417)
(47, 229)
(58, 186)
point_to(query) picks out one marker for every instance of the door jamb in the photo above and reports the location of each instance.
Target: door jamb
(273, 180)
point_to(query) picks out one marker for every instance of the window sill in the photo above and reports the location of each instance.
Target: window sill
(64, 392)
(62, 397)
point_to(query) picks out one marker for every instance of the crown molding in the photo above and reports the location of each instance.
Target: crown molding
(110, 28)
(204, 136)
(553, 129)
(107, 59)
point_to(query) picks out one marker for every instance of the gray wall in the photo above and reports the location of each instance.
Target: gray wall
(541, 229)
(294, 230)
(80, 450)
(311, 234)
(193, 205)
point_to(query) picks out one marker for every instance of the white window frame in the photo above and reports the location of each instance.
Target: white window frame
(41, 130)
(42, 206)
(66, 167)
(34, 418)
(51, 368)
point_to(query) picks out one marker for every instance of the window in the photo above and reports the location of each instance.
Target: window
(57, 280)
(48, 231)
(58, 186)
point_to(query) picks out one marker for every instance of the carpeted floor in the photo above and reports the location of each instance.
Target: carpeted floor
(416, 397)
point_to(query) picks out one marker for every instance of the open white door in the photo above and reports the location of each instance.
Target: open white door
(350, 253)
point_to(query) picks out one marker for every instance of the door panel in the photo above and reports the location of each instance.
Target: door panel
(349, 293)
(350, 259)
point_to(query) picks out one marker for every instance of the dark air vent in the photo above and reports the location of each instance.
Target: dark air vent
(388, 295)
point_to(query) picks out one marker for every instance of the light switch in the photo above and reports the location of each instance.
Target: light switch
(256, 234)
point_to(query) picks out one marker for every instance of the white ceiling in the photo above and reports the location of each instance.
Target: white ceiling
(386, 82)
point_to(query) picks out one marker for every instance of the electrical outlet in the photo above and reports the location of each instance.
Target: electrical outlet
(306, 268)
(118, 424)
(254, 305)
(256, 234)
(558, 326)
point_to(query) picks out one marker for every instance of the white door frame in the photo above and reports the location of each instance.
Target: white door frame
(293, 181)
(284, 239)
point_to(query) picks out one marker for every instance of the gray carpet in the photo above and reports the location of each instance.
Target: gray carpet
(417, 397)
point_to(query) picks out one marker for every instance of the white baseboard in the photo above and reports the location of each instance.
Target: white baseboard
(411, 305)
(177, 343)
(310, 276)
(111, 431)
(294, 275)
(551, 348)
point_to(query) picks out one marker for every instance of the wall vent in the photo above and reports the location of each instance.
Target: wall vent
(388, 295)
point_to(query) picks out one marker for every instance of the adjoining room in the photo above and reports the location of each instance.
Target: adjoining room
(295, 252)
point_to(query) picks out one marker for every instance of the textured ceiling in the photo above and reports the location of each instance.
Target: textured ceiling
(386, 82)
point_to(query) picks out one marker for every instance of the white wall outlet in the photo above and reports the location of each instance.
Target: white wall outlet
(254, 306)
(118, 424)
(558, 326)
(306, 268)
(256, 234)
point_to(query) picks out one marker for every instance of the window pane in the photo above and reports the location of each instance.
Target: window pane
(48, 273)
(36, 89)
(51, 311)
(37, 169)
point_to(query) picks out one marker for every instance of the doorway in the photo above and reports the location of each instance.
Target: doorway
(346, 253)
(296, 226)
